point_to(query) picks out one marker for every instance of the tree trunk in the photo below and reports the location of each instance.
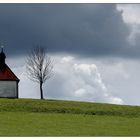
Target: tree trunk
(41, 90)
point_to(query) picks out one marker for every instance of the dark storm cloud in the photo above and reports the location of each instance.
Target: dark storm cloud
(83, 29)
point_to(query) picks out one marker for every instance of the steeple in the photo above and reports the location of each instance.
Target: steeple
(2, 59)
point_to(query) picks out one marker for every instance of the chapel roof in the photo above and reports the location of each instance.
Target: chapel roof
(5, 72)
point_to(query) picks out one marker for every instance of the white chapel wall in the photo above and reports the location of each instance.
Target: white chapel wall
(8, 89)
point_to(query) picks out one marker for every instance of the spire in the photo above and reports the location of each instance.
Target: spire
(2, 58)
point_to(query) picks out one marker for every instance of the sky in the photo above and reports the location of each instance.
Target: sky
(95, 49)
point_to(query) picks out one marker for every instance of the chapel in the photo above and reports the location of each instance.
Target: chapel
(8, 80)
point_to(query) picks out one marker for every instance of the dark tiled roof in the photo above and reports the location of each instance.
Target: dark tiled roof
(7, 74)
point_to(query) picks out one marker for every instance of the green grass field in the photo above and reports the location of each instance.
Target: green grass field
(34, 117)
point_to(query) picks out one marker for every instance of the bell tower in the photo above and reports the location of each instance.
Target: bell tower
(2, 59)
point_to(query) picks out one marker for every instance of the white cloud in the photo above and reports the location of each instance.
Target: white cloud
(121, 77)
(79, 81)
(67, 59)
(130, 13)
(73, 80)
(131, 16)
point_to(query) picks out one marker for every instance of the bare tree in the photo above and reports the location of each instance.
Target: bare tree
(39, 66)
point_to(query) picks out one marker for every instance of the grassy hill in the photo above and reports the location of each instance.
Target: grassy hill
(33, 117)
